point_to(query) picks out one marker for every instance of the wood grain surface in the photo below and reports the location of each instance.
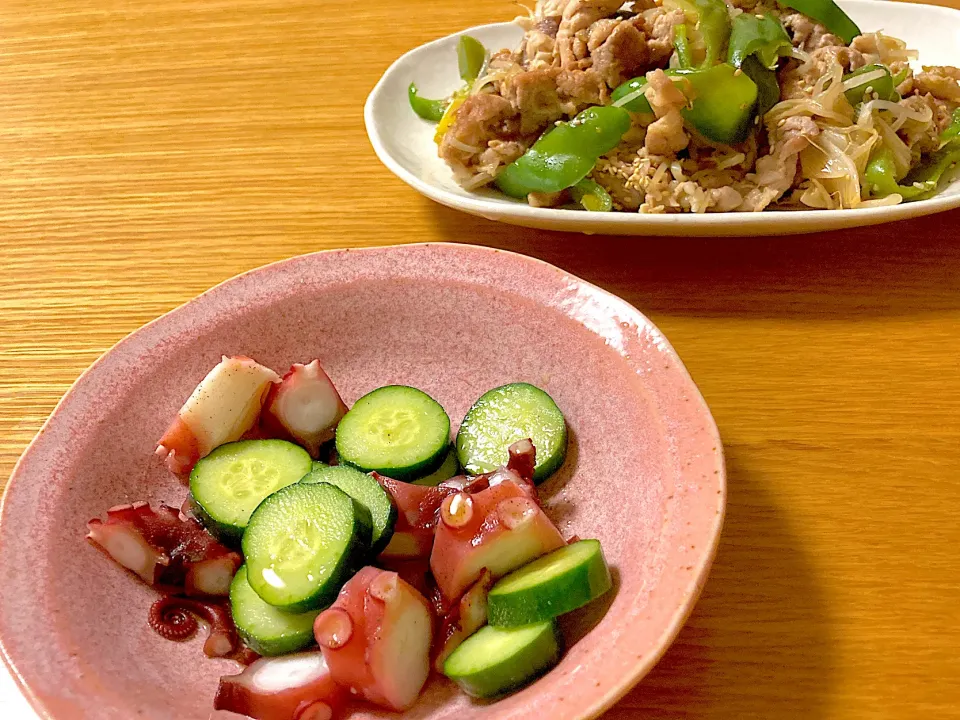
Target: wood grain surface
(149, 150)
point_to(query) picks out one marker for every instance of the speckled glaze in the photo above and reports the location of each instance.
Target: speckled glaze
(644, 474)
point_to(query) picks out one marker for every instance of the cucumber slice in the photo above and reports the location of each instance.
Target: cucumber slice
(398, 431)
(317, 464)
(228, 484)
(448, 469)
(266, 630)
(303, 543)
(552, 585)
(494, 661)
(368, 493)
(504, 415)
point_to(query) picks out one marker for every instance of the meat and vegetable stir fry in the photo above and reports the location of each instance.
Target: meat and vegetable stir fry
(698, 106)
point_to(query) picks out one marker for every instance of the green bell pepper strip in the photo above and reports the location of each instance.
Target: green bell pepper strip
(591, 196)
(565, 155)
(828, 14)
(682, 46)
(427, 109)
(884, 86)
(768, 89)
(953, 129)
(724, 101)
(761, 37)
(471, 57)
(880, 174)
(712, 19)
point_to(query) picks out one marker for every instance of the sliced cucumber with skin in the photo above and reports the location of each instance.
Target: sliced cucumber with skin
(495, 661)
(228, 484)
(368, 493)
(550, 586)
(504, 415)
(303, 543)
(317, 464)
(448, 469)
(264, 629)
(397, 431)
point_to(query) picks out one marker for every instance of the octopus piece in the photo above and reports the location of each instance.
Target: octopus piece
(304, 407)
(497, 529)
(225, 405)
(376, 638)
(418, 510)
(292, 687)
(164, 547)
(175, 618)
(467, 616)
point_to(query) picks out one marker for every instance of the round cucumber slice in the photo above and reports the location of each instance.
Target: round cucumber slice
(448, 469)
(396, 431)
(266, 630)
(493, 661)
(228, 484)
(504, 415)
(550, 586)
(302, 544)
(368, 493)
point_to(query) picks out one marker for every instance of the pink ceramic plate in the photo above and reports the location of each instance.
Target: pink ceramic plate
(644, 473)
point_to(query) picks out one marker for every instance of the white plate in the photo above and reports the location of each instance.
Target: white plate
(404, 142)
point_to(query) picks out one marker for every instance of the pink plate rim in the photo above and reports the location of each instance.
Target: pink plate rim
(236, 287)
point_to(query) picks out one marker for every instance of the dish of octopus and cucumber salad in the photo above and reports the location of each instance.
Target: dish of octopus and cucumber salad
(346, 553)
(669, 106)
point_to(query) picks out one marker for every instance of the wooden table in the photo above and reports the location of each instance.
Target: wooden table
(150, 150)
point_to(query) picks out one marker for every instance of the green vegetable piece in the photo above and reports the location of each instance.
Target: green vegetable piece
(883, 86)
(712, 21)
(502, 416)
(724, 102)
(565, 155)
(630, 96)
(932, 170)
(303, 543)
(828, 14)
(768, 89)
(591, 196)
(265, 629)
(399, 431)
(952, 131)
(431, 110)
(448, 469)
(880, 176)
(228, 484)
(550, 586)
(471, 57)
(366, 492)
(682, 45)
(495, 661)
(760, 37)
